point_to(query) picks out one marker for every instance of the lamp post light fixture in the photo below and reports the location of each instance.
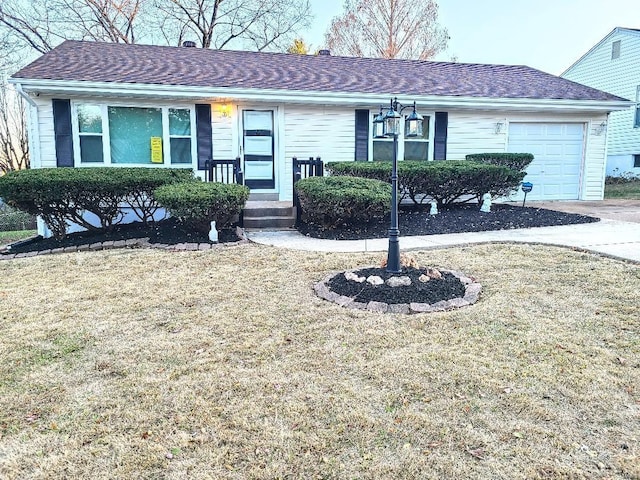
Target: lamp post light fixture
(388, 125)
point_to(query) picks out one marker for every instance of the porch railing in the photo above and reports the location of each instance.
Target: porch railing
(224, 171)
(314, 167)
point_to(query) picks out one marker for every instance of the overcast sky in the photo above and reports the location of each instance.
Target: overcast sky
(545, 34)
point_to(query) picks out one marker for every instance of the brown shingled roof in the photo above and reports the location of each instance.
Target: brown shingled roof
(145, 64)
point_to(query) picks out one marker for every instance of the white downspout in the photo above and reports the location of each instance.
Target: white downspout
(34, 128)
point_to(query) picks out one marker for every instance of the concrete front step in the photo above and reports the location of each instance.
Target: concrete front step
(263, 197)
(268, 209)
(268, 222)
(268, 215)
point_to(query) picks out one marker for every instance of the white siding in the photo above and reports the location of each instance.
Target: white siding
(621, 77)
(222, 132)
(474, 132)
(325, 132)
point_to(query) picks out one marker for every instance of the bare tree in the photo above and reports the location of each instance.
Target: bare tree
(387, 29)
(102, 20)
(42, 24)
(14, 147)
(256, 24)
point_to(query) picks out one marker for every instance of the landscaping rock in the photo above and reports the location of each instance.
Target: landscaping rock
(433, 273)
(424, 278)
(353, 277)
(399, 281)
(375, 280)
(378, 307)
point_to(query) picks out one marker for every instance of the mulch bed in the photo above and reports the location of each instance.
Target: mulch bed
(433, 291)
(167, 231)
(458, 219)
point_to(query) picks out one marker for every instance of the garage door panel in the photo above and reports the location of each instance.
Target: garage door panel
(557, 165)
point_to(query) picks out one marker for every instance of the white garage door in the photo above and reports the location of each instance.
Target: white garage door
(557, 148)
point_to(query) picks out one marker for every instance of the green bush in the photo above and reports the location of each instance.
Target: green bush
(340, 200)
(12, 219)
(516, 161)
(63, 195)
(197, 204)
(444, 181)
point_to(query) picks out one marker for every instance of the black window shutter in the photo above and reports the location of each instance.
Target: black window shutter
(440, 141)
(362, 136)
(203, 134)
(62, 132)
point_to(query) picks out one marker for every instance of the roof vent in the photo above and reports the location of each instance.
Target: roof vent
(325, 53)
(188, 43)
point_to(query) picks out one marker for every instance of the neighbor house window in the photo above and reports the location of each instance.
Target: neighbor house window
(615, 50)
(134, 135)
(636, 161)
(180, 135)
(90, 133)
(636, 122)
(415, 148)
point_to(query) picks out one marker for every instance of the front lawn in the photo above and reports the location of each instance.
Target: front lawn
(223, 364)
(628, 190)
(14, 236)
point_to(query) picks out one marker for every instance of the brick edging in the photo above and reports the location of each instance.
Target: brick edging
(471, 295)
(130, 243)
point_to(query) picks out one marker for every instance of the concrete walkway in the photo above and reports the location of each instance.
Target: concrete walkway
(610, 237)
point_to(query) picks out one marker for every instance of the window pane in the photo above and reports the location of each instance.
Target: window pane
(91, 149)
(425, 127)
(383, 151)
(416, 150)
(637, 122)
(179, 122)
(180, 150)
(90, 118)
(131, 130)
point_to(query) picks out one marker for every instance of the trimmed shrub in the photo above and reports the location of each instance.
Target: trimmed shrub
(516, 161)
(340, 200)
(444, 181)
(197, 204)
(62, 195)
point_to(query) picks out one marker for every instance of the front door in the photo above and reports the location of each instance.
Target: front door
(258, 149)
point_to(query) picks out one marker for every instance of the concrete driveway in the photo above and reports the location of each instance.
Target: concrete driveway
(621, 210)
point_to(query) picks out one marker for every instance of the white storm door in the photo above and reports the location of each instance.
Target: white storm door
(258, 148)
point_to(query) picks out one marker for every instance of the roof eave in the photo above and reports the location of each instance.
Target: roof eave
(197, 93)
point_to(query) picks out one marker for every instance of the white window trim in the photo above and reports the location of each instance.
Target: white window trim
(106, 139)
(76, 144)
(401, 137)
(615, 55)
(636, 111)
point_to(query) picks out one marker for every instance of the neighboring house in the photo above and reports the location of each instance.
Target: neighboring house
(613, 65)
(103, 104)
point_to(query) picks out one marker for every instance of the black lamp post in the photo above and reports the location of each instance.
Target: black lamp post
(388, 125)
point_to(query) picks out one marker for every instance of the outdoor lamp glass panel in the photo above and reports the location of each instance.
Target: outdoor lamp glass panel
(392, 123)
(413, 125)
(378, 126)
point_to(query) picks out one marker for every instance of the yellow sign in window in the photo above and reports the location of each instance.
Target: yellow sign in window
(156, 149)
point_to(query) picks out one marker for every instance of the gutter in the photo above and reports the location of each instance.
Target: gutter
(373, 100)
(24, 95)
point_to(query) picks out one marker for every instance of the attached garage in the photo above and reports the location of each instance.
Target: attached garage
(558, 149)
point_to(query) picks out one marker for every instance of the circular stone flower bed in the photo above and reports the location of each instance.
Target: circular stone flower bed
(414, 290)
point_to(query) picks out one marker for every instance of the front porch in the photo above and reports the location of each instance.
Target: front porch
(265, 210)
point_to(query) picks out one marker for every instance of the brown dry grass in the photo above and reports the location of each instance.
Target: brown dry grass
(223, 365)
